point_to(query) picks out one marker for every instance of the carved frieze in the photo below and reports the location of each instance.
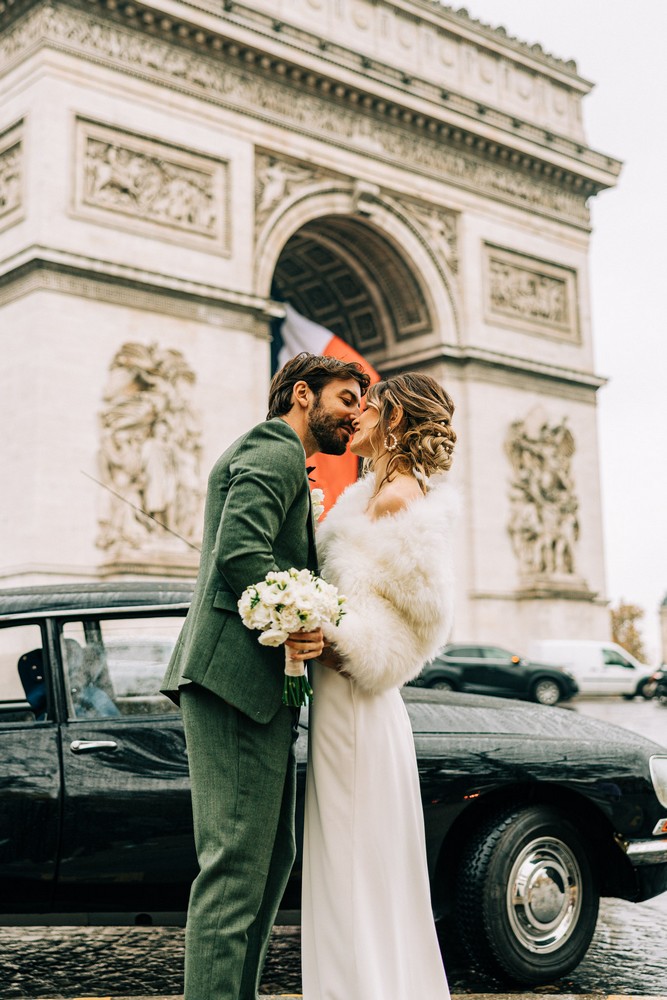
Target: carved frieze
(11, 175)
(357, 129)
(151, 187)
(544, 521)
(530, 294)
(149, 456)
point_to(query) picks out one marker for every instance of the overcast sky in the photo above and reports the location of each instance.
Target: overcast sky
(620, 46)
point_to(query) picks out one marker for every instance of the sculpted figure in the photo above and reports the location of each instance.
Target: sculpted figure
(543, 522)
(149, 451)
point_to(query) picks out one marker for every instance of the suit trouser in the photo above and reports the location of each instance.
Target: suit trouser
(243, 778)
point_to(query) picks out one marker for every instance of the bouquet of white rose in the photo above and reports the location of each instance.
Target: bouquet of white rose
(290, 601)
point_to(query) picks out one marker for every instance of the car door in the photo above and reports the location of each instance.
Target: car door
(30, 777)
(471, 664)
(127, 823)
(502, 671)
(618, 675)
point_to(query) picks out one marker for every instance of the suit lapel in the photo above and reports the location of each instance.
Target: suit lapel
(312, 545)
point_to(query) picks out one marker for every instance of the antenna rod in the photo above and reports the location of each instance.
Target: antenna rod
(140, 510)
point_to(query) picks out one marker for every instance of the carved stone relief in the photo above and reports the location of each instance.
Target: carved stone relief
(11, 176)
(544, 523)
(149, 457)
(154, 186)
(530, 294)
(440, 226)
(196, 73)
(275, 180)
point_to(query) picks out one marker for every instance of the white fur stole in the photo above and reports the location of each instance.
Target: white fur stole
(397, 575)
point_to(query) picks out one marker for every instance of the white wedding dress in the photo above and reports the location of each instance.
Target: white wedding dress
(367, 927)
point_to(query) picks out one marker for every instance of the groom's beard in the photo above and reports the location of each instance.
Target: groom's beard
(330, 433)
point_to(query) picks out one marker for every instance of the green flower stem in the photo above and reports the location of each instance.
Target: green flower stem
(297, 691)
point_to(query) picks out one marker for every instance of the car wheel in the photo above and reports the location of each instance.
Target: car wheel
(644, 689)
(546, 692)
(526, 898)
(441, 685)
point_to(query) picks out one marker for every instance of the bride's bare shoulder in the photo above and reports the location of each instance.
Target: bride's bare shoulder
(395, 496)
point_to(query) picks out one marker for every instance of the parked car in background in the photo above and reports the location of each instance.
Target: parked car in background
(601, 668)
(531, 813)
(492, 670)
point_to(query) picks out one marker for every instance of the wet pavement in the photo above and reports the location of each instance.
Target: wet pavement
(628, 954)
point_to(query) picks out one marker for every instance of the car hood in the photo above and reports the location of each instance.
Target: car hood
(440, 712)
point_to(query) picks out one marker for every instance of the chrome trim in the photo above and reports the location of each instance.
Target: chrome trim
(660, 828)
(91, 746)
(646, 852)
(104, 609)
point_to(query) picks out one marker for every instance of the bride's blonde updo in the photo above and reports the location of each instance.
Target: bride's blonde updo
(423, 440)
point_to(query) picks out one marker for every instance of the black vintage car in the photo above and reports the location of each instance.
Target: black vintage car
(483, 669)
(531, 813)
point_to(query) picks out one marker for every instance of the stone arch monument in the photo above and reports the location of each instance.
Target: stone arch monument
(413, 179)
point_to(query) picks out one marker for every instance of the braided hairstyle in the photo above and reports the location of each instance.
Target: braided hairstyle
(424, 437)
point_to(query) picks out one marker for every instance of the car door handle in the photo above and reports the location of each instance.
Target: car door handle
(90, 746)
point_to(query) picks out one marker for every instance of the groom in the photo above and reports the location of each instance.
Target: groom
(239, 734)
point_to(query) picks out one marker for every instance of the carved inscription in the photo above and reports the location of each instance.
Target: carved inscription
(531, 294)
(153, 185)
(544, 523)
(150, 449)
(204, 76)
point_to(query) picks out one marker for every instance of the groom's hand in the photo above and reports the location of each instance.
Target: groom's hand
(305, 645)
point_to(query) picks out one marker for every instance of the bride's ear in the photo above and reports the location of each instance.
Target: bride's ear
(396, 418)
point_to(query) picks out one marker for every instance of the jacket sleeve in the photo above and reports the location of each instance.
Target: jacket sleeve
(266, 475)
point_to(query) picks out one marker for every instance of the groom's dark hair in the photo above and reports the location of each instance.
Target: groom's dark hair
(315, 369)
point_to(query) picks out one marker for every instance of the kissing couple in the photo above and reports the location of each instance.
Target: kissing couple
(367, 926)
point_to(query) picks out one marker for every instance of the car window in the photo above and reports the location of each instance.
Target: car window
(463, 652)
(114, 666)
(495, 653)
(612, 658)
(23, 683)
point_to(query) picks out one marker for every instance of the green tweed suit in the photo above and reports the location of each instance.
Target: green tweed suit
(239, 734)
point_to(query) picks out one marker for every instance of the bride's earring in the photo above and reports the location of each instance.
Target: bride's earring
(391, 442)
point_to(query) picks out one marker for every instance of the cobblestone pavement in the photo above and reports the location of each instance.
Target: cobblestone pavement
(627, 955)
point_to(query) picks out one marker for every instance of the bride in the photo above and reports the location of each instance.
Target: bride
(367, 926)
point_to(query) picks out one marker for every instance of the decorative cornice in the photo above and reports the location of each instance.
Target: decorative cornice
(303, 102)
(335, 58)
(117, 285)
(499, 33)
(477, 364)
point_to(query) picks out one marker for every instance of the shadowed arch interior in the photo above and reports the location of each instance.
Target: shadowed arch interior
(344, 274)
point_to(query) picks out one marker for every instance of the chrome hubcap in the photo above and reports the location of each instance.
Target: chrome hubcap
(547, 692)
(544, 895)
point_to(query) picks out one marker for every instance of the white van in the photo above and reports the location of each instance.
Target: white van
(599, 667)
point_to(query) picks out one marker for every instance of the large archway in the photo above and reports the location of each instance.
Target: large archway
(362, 265)
(345, 275)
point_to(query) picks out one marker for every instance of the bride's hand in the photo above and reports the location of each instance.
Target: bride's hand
(333, 660)
(305, 645)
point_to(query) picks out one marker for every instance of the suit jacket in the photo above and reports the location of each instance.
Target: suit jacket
(258, 518)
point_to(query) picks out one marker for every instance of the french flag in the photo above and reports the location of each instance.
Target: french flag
(296, 333)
